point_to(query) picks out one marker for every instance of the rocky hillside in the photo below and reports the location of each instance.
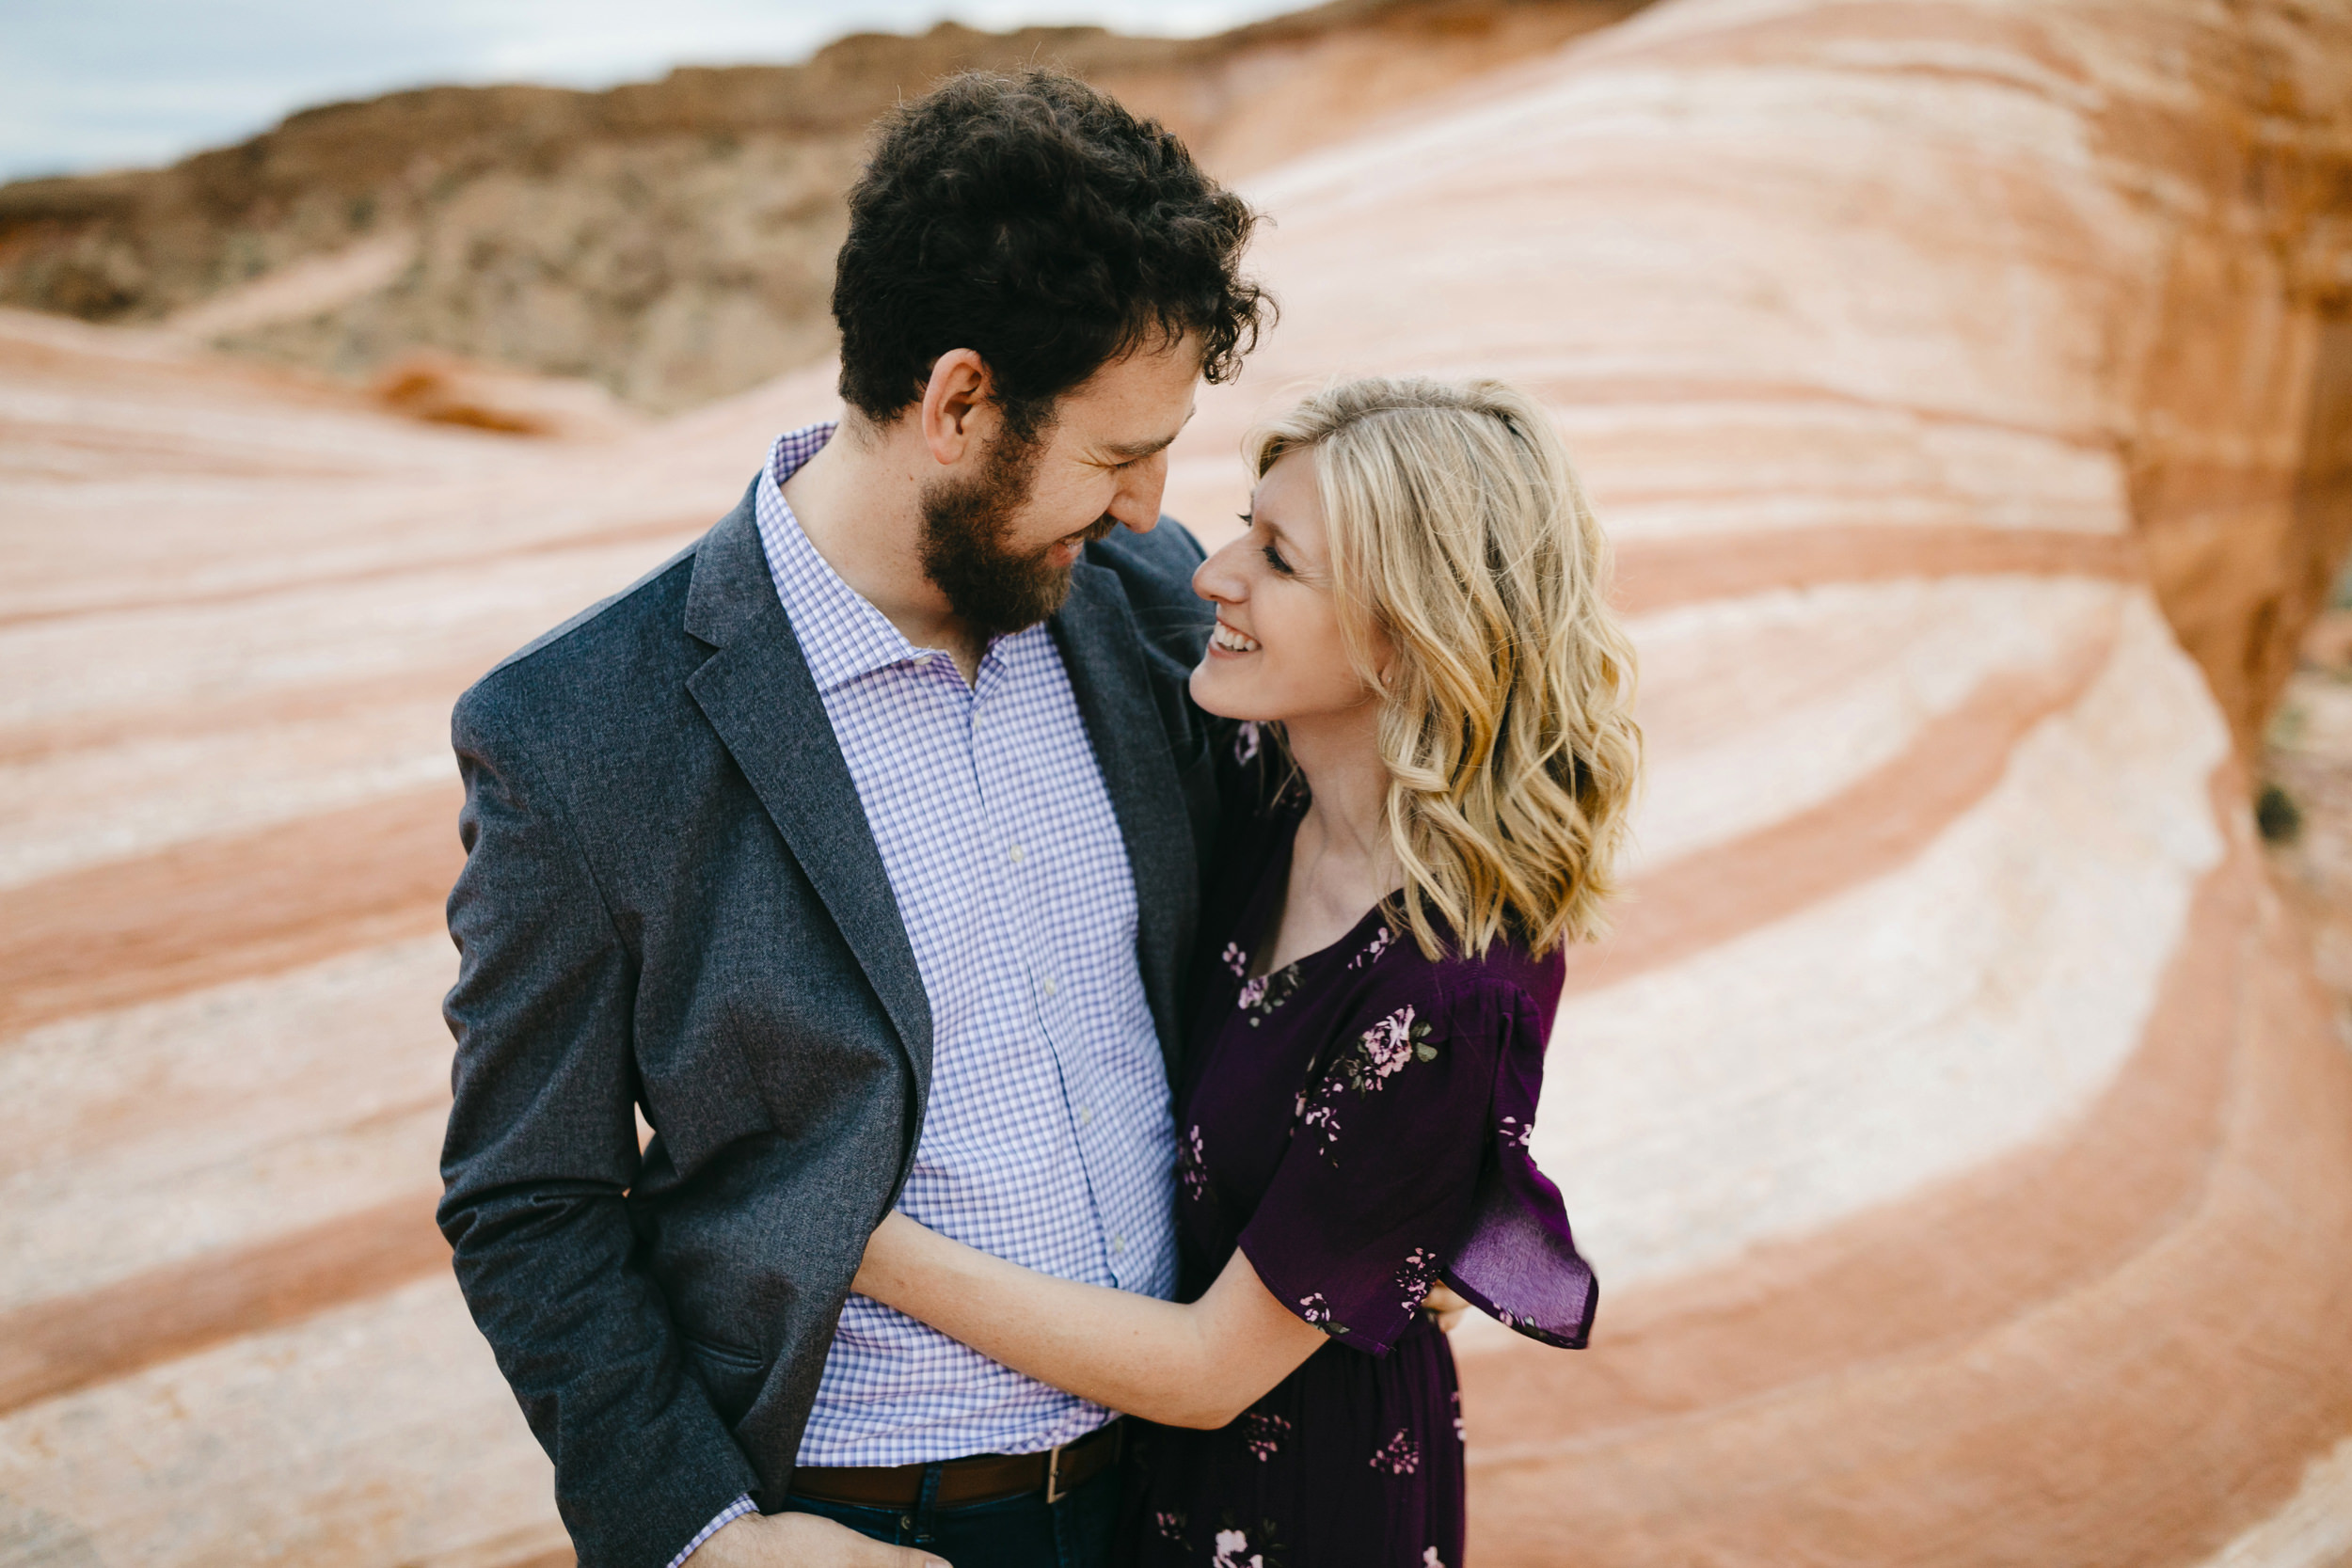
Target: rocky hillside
(671, 240)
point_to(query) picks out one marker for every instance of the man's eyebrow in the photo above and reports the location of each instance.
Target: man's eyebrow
(1129, 451)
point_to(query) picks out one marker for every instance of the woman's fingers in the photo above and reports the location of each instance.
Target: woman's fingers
(1444, 1305)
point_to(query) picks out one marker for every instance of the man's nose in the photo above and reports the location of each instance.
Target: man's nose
(1140, 491)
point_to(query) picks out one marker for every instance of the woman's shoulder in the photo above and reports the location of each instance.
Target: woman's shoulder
(1393, 971)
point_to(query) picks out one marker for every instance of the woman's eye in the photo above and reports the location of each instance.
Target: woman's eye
(1274, 559)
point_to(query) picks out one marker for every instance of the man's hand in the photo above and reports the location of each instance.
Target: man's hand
(801, 1540)
(1444, 1305)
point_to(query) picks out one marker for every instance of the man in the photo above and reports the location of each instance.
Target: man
(860, 847)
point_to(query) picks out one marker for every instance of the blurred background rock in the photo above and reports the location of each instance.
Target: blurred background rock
(670, 241)
(1963, 1141)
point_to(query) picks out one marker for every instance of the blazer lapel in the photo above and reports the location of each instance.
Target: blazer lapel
(1103, 652)
(757, 692)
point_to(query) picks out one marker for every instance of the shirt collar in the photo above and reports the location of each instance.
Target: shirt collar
(842, 636)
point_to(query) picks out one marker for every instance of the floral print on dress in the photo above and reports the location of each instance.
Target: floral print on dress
(1418, 1272)
(1381, 939)
(1515, 1132)
(1261, 997)
(1236, 960)
(1236, 1549)
(1459, 1435)
(1370, 1473)
(1383, 1050)
(1314, 1310)
(1230, 1545)
(1263, 1433)
(1247, 741)
(1401, 1457)
(1322, 1122)
(1192, 1167)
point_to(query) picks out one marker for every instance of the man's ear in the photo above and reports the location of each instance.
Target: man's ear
(953, 404)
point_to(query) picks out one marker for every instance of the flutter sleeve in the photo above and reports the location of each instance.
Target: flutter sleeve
(1400, 1161)
(1515, 1259)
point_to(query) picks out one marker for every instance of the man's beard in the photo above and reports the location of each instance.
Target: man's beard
(992, 589)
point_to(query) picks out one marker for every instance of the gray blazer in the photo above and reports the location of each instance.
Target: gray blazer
(671, 899)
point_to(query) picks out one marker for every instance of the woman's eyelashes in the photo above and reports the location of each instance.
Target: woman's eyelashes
(1273, 556)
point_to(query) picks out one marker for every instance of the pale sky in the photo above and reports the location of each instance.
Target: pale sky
(107, 84)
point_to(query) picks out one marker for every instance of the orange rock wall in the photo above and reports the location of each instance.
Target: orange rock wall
(1965, 1153)
(2238, 388)
(671, 240)
(1963, 1181)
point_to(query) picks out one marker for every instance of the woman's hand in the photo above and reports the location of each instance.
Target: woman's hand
(1445, 1307)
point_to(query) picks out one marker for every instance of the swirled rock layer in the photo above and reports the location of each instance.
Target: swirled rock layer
(1965, 1153)
(1963, 1150)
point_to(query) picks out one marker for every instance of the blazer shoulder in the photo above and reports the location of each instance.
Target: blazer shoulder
(1162, 560)
(587, 658)
(1155, 570)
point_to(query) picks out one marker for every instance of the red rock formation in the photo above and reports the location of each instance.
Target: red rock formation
(237, 609)
(1959, 1136)
(1964, 1150)
(671, 239)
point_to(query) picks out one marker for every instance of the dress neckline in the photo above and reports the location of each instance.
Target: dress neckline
(1255, 916)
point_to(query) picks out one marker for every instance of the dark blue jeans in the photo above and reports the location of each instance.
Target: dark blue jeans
(1012, 1533)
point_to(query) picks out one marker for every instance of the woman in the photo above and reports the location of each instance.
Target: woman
(1417, 615)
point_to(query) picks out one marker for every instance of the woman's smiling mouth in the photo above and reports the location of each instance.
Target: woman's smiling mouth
(1226, 639)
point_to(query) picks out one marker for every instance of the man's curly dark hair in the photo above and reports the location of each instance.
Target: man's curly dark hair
(1040, 223)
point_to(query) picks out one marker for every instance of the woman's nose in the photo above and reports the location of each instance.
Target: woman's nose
(1216, 580)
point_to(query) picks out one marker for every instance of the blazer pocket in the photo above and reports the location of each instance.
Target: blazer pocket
(734, 1377)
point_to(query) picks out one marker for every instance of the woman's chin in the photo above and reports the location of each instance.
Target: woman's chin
(1215, 690)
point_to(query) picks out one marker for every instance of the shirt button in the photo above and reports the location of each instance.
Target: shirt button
(1118, 1243)
(1050, 987)
(1086, 1116)
(1018, 854)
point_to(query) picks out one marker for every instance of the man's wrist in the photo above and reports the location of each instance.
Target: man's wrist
(725, 1517)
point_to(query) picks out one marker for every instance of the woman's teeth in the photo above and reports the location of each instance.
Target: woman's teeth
(1231, 640)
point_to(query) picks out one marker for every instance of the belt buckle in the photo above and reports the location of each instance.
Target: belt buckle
(1054, 1493)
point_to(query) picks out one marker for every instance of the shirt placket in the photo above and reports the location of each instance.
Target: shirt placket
(1011, 793)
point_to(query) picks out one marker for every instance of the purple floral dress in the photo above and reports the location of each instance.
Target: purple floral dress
(1357, 1123)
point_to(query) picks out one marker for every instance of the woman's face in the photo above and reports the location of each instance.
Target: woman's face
(1276, 655)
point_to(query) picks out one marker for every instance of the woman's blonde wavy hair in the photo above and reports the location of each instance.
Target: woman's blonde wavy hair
(1456, 527)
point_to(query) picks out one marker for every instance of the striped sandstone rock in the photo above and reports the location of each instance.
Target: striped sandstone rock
(1964, 1150)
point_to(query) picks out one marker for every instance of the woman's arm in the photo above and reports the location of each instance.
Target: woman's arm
(1191, 1366)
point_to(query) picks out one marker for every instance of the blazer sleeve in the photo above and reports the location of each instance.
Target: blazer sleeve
(541, 1148)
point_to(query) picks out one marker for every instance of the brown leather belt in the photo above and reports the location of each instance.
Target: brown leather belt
(984, 1479)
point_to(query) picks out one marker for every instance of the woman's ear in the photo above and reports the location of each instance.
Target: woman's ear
(1385, 660)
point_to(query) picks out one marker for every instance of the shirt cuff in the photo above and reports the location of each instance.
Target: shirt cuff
(728, 1515)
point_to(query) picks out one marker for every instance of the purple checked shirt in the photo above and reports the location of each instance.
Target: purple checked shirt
(1047, 1140)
